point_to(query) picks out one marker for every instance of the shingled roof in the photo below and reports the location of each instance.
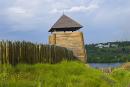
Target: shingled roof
(65, 23)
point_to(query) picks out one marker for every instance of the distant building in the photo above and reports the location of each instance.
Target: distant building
(114, 45)
(103, 45)
(107, 45)
(99, 46)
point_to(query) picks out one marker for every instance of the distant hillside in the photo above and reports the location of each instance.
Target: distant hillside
(109, 52)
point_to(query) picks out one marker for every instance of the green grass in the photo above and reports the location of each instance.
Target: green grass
(64, 74)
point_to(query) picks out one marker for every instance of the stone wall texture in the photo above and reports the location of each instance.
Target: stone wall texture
(71, 40)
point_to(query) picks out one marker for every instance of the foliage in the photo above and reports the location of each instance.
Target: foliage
(64, 74)
(121, 53)
(122, 77)
(126, 66)
(30, 53)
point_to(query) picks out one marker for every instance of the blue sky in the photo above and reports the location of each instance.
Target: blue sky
(30, 20)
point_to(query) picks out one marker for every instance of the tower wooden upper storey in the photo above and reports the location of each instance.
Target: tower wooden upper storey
(65, 23)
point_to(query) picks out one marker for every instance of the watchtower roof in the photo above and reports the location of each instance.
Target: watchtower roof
(65, 23)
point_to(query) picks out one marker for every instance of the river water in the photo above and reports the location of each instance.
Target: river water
(105, 65)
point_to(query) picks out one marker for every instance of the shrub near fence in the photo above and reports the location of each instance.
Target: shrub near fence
(30, 53)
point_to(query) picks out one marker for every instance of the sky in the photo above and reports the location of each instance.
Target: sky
(30, 20)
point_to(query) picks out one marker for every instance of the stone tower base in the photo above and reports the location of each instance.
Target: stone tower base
(71, 40)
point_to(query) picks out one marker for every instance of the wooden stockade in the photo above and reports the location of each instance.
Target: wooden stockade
(27, 52)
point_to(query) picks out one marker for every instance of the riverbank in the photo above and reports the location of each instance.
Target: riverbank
(64, 74)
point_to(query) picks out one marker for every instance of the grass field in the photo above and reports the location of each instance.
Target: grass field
(64, 74)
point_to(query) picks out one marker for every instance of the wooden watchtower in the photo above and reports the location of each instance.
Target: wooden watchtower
(64, 33)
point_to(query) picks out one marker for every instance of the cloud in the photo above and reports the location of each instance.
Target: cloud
(112, 18)
(39, 15)
(76, 9)
(17, 10)
(82, 6)
(116, 16)
(17, 13)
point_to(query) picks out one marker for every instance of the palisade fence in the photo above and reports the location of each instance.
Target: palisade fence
(14, 52)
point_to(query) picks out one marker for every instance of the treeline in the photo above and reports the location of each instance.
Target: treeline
(121, 53)
(30, 53)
